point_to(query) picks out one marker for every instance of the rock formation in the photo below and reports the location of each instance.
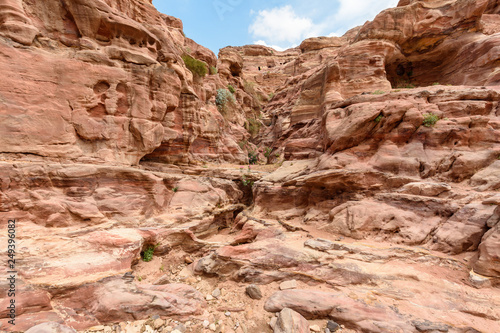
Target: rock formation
(124, 173)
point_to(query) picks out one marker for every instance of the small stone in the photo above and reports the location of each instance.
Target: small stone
(292, 284)
(327, 330)
(253, 291)
(209, 298)
(479, 281)
(227, 314)
(206, 323)
(315, 328)
(291, 321)
(97, 328)
(176, 331)
(169, 328)
(332, 326)
(273, 321)
(212, 327)
(216, 293)
(188, 260)
(158, 323)
(319, 244)
(181, 328)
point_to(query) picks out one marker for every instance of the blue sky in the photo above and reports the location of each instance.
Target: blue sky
(276, 23)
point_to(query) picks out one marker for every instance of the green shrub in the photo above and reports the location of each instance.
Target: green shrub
(378, 92)
(379, 118)
(253, 126)
(222, 99)
(246, 182)
(267, 151)
(271, 96)
(147, 254)
(436, 84)
(197, 67)
(253, 157)
(231, 89)
(430, 120)
(175, 189)
(404, 84)
(213, 70)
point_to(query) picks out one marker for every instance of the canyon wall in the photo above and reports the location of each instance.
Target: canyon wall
(380, 197)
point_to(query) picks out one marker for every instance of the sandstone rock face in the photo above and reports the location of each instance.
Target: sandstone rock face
(104, 81)
(384, 189)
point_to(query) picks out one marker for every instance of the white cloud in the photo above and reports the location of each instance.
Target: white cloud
(281, 25)
(276, 47)
(354, 13)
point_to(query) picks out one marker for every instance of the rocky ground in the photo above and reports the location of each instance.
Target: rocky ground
(373, 207)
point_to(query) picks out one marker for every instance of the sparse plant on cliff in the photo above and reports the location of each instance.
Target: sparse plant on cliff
(253, 157)
(404, 84)
(430, 120)
(271, 96)
(175, 189)
(378, 92)
(197, 67)
(436, 84)
(213, 70)
(147, 254)
(242, 144)
(253, 126)
(231, 89)
(245, 181)
(267, 151)
(379, 118)
(223, 98)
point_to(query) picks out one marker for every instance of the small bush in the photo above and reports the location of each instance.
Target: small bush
(197, 67)
(379, 118)
(246, 182)
(267, 151)
(436, 84)
(213, 70)
(430, 120)
(253, 157)
(253, 126)
(378, 92)
(147, 255)
(271, 96)
(231, 89)
(222, 99)
(404, 84)
(175, 189)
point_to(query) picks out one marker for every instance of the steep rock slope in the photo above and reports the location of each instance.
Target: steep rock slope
(104, 81)
(385, 224)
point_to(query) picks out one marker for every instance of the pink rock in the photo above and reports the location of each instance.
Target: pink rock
(291, 321)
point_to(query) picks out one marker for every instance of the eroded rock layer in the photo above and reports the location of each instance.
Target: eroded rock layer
(378, 210)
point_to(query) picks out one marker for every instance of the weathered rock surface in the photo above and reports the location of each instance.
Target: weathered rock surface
(104, 81)
(105, 138)
(291, 321)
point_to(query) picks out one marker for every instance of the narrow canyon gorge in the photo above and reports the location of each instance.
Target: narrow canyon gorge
(350, 184)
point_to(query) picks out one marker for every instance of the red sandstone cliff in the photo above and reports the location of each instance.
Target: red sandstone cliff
(387, 225)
